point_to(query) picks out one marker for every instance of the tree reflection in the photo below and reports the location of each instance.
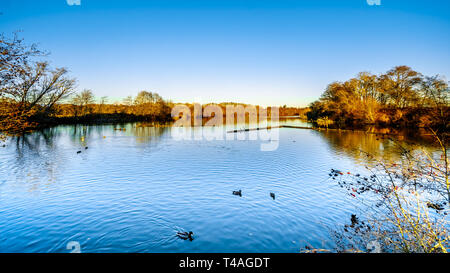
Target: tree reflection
(36, 153)
(382, 143)
(144, 133)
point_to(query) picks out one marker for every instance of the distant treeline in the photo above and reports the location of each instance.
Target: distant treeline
(401, 97)
(14, 119)
(283, 111)
(82, 107)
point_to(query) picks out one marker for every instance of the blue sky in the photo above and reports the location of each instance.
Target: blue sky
(261, 52)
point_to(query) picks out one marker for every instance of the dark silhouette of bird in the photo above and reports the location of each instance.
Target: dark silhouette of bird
(86, 148)
(79, 152)
(185, 235)
(355, 220)
(272, 195)
(435, 206)
(238, 193)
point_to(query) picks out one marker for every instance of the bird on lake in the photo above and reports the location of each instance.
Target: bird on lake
(185, 235)
(238, 193)
(272, 195)
(79, 152)
(86, 148)
(435, 206)
(354, 219)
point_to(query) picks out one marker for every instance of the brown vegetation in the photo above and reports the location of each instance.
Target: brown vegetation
(401, 97)
(81, 108)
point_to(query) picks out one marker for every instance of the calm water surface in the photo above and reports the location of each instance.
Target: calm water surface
(132, 190)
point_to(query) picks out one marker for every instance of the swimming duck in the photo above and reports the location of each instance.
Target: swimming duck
(185, 235)
(354, 219)
(272, 195)
(238, 193)
(86, 148)
(79, 152)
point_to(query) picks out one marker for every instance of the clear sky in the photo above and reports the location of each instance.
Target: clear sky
(261, 52)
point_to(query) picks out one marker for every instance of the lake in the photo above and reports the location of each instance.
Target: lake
(132, 190)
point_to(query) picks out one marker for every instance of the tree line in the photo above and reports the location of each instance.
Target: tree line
(400, 97)
(33, 94)
(146, 106)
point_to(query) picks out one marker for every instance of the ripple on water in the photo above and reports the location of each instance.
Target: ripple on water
(131, 192)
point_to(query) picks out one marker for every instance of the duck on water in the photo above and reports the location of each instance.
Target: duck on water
(186, 235)
(238, 193)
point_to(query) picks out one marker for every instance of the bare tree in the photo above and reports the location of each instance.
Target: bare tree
(103, 101)
(14, 60)
(435, 92)
(84, 100)
(128, 101)
(28, 88)
(39, 86)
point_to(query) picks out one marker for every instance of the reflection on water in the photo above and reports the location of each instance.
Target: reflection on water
(381, 143)
(132, 187)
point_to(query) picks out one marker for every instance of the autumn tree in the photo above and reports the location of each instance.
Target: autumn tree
(435, 95)
(401, 95)
(150, 104)
(400, 85)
